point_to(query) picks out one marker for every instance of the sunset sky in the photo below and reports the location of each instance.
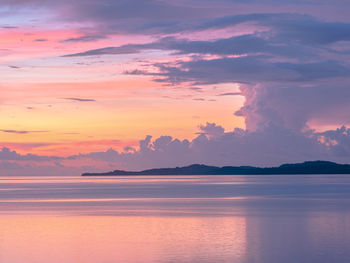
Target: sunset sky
(131, 84)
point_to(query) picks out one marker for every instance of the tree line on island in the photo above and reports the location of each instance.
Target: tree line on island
(312, 167)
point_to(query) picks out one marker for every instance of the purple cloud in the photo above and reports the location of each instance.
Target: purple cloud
(230, 94)
(270, 146)
(20, 131)
(80, 99)
(7, 155)
(84, 38)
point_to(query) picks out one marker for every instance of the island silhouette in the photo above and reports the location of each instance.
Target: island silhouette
(311, 167)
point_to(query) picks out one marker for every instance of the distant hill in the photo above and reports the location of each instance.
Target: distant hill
(314, 167)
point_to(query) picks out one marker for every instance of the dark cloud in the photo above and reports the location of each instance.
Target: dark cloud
(246, 69)
(80, 99)
(20, 131)
(155, 17)
(9, 27)
(230, 94)
(238, 45)
(290, 74)
(301, 28)
(41, 40)
(123, 50)
(284, 34)
(85, 38)
(134, 15)
(109, 16)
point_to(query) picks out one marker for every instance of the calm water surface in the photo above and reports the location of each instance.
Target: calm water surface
(238, 219)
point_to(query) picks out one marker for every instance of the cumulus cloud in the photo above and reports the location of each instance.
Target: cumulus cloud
(270, 146)
(211, 130)
(8, 155)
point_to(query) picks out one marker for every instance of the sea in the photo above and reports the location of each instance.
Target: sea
(231, 218)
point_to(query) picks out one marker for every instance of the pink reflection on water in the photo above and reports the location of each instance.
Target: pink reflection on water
(38, 239)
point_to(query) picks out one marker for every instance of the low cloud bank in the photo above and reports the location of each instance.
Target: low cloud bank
(270, 146)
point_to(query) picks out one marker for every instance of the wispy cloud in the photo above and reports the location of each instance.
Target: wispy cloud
(80, 99)
(85, 38)
(41, 40)
(20, 131)
(9, 27)
(27, 146)
(230, 94)
(122, 50)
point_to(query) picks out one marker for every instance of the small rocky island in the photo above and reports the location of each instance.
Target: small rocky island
(313, 167)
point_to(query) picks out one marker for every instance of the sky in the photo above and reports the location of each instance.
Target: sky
(95, 85)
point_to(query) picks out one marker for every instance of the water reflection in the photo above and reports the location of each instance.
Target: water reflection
(304, 238)
(239, 219)
(122, 239)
